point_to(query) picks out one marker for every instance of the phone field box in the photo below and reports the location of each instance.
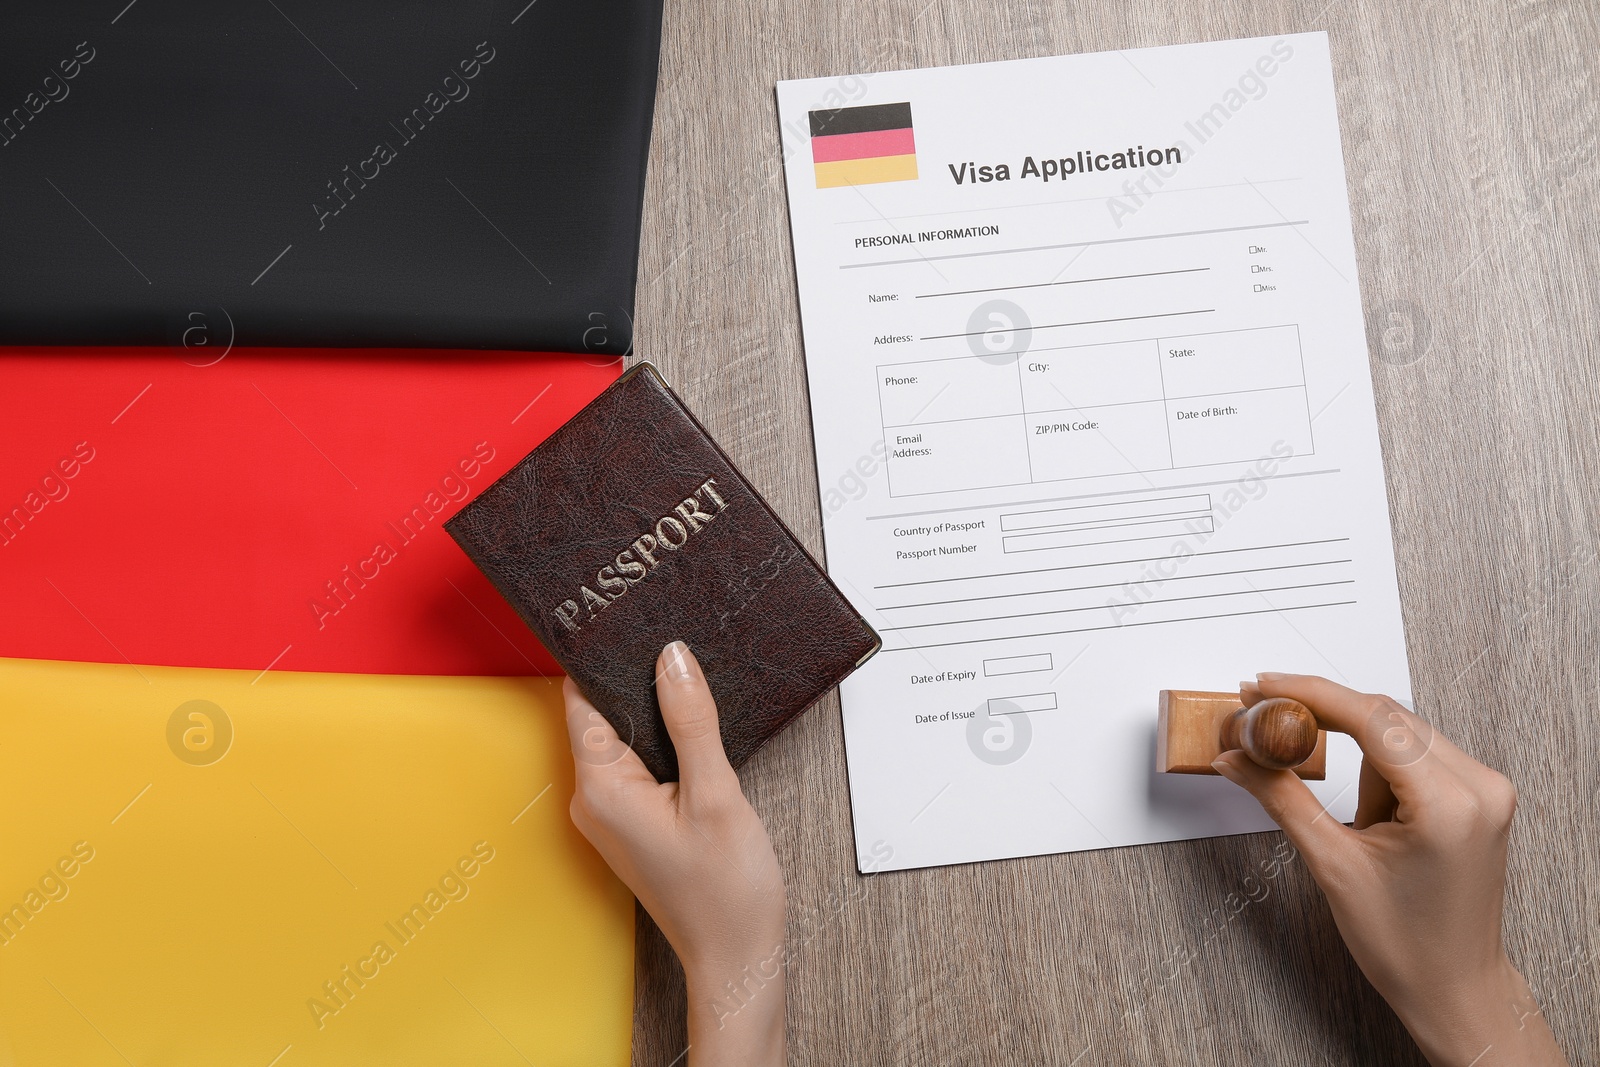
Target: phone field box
(1020, 705)
(993, 668)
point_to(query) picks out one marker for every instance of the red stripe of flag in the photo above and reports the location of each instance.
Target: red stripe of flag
(841, 146)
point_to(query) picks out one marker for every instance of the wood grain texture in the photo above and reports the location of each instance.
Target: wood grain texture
(1277, 733)
(1470, 143)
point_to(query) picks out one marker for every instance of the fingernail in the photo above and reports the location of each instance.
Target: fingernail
(1270, 676)
(1224, 768)
(677, 666)
(1247, 685)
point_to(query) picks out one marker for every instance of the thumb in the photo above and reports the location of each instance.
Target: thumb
(690, 714)
(1290, 804)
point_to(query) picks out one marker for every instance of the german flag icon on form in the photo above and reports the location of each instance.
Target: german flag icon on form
(863, 145)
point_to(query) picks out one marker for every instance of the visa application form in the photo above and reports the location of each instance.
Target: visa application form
(1093, 418)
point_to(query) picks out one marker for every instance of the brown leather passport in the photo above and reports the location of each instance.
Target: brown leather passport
(629, 528)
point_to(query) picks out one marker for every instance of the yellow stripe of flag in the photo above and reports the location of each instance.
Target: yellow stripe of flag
(866, 171)
(193, 818)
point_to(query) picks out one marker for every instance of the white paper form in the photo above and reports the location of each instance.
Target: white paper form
(1093, 419)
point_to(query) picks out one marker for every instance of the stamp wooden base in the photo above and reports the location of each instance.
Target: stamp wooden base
(1189, 734)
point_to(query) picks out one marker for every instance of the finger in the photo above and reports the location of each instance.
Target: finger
(691, 717)
(1376, 803)
(1394, 741)
(1337, 707)
(1249, 694)
(1290, 804)
(596, 748)
(1451, 756)
(1427, 737)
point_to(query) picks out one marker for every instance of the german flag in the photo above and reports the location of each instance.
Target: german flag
(863, 145)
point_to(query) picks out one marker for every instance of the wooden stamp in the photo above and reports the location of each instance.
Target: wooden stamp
(1195, 728)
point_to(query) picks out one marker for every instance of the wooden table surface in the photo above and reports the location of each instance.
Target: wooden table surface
(1470, 144)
